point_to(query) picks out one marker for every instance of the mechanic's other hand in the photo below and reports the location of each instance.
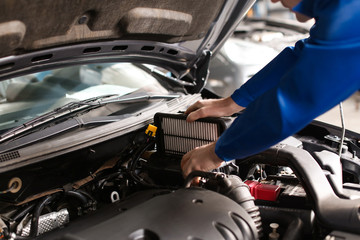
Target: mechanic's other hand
(212, 108)
(202, 158)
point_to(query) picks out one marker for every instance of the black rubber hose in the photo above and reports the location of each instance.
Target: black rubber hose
(36, 214)
(75, 194)
(86, 194)
(23, 212)
(140, 153)
(234, 188)
(40, 206)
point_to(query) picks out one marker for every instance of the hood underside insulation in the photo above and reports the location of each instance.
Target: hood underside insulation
(27, 25)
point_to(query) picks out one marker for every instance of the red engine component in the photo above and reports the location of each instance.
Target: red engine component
(261, 191)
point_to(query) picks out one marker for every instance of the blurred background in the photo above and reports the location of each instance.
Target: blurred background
(267, 30)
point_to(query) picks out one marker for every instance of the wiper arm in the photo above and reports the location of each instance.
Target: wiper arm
(77, 106)
(60, 128)
(140, 98)
(47, 117)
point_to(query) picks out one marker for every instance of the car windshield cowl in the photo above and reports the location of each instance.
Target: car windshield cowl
(77, 106)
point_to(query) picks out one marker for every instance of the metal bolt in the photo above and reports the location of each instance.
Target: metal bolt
(274, 235)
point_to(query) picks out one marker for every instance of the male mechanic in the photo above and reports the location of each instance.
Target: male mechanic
(301, 83)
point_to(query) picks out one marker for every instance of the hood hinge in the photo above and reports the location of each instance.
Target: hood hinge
(200, 72)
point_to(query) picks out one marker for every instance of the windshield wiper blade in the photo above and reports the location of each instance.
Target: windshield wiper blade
(140, 98)
(77, 106)
(66, 126)
(49, 116)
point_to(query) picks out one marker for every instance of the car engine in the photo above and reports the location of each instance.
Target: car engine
(131, 187)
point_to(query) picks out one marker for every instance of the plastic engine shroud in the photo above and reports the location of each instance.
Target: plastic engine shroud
(191, 213)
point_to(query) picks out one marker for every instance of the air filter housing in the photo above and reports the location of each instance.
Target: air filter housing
(177, 136)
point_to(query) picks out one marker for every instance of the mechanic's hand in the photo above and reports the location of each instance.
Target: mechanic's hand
(201, 158)
(212, 108)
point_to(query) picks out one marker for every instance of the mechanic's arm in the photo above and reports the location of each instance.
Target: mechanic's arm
(212, 108)
(264, 80)
(268, 77)
(323, 76)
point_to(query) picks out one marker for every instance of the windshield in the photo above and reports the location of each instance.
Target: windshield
(27, 97)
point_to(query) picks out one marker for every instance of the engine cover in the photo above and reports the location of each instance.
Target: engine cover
(184, 214)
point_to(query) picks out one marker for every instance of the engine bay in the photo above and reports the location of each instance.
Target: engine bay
(131, 187)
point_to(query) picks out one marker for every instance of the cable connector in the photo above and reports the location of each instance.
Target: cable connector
(151, 130)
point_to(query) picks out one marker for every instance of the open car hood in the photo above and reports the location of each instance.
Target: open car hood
(41, 34)
(79, 160)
